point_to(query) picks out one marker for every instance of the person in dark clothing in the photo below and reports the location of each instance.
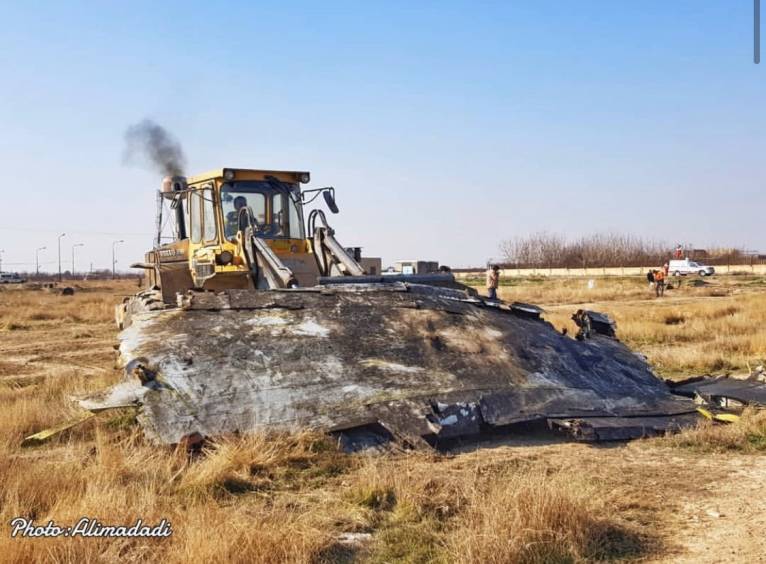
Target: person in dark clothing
(582, 320)
(650, 278)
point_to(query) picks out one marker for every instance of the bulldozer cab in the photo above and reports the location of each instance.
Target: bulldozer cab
(272, 199)
(243, 228)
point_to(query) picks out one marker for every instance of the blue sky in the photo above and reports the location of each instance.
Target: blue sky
(445, 127)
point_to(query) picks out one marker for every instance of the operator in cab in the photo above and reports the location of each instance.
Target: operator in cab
(232, 218)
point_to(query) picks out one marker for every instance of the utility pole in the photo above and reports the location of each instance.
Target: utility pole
(73, 247)
(60, 236)
(114, 260)
(1, 260)
(37, 260)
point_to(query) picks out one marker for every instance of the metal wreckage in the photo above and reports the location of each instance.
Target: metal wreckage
(249, 324)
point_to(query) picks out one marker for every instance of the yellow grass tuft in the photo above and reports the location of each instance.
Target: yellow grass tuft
(746, 435)
(533, 517)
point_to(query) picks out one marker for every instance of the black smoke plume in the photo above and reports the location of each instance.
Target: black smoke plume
(154, 143)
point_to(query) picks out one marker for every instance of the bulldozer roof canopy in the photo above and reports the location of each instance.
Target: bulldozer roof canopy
(250, 174)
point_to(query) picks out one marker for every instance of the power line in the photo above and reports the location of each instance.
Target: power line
(110, 233)
(32, 262)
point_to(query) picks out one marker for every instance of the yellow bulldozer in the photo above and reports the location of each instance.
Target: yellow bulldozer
(254, 317)
(243, 228)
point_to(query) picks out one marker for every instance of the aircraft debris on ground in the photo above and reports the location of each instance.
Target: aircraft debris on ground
(248, 323)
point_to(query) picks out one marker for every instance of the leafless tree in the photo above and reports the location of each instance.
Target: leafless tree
(550, 250)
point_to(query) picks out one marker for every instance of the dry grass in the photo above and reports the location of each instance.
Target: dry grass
(120, 478)
(748, 435)
(531, 518)
(290, 498)
(485, 512)
(716, 328)
(550, 291)
(720, 336)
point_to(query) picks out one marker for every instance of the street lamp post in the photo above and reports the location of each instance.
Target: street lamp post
(73, 247)
(37, 260)
(60, 236)
(114, 260)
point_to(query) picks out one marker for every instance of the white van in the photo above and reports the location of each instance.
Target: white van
(10, 278)
(686, 266)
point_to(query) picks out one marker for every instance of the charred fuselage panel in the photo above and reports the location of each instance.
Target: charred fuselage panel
(422, 362)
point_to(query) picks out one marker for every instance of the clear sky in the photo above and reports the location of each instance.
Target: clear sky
(445, 127)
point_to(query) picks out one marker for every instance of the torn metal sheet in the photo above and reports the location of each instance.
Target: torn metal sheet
(526, 310)
(623, 428)
(423, 363)
(127, 393)
(721, 390)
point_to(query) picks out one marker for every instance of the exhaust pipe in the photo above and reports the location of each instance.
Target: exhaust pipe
(172, 187)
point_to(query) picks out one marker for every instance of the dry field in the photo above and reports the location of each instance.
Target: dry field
(695, 497)
(706, 326)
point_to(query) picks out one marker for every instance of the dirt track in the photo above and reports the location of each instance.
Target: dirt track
(724, 520)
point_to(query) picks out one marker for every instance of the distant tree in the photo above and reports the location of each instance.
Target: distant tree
(550, 250)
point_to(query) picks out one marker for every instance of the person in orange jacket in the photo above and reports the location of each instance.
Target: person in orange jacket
(659, 282)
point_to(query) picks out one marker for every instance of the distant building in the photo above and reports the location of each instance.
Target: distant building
(372, 265)
(417, 266)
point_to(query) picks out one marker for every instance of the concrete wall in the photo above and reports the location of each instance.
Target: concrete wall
(607, 271)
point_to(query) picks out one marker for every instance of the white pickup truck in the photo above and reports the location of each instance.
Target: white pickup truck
(686, 266)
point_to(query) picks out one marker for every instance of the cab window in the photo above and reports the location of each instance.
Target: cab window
(195, 225)
(210, 231)
(295, 221)
(274, 208)
(278, 216)
(234, 200)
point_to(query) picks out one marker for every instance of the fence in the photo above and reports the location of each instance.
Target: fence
(759, 268)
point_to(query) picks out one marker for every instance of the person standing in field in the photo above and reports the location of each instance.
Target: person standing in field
(493, 280)
(650, 278)
(659, 282)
